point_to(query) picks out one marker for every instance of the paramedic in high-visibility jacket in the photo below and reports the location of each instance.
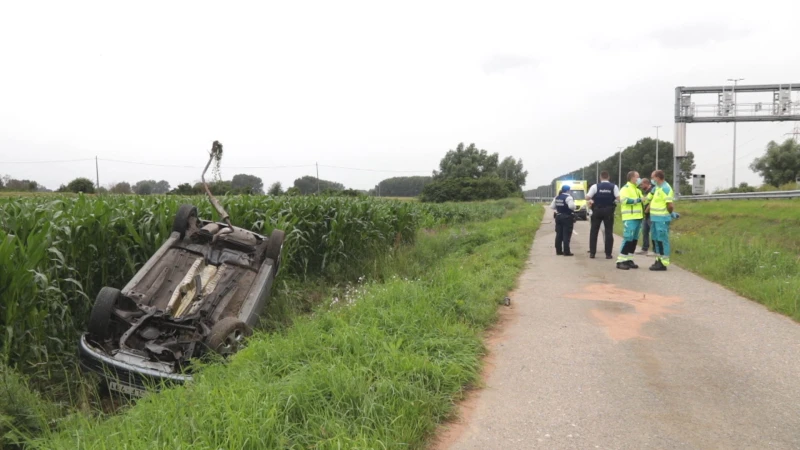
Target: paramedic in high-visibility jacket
(662, 212)
(631, 207)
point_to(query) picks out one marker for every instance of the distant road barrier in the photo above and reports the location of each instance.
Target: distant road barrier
(733, 196)
(744, 196)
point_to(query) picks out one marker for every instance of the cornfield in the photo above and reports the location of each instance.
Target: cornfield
(57, 252)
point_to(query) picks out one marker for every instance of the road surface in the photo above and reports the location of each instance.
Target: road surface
(598, 358)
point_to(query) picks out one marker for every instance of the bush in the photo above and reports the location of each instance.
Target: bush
(84, 185)
(343, 193)
(469, 189)
(783, 187)
(276, 189)
(183, 189)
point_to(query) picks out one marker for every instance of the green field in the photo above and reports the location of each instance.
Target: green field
(749, 246)
(370, 364)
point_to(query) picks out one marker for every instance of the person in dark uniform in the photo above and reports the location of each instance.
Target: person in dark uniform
(564, 206)
(603, 198)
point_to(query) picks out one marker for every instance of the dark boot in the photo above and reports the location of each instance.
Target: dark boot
(658, 266)
(631, 264)
(623, 266)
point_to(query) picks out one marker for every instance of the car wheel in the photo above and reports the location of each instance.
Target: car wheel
(100, 319)
(275, 245)
(227, 336)
(181, 223)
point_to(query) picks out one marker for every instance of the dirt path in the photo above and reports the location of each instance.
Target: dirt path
(591, 357)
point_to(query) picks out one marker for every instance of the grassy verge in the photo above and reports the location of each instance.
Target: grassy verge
(377, 367)
(749, 246)
(22, 410)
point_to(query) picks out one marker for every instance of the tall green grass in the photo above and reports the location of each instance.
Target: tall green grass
(377, 369)
(22, 411)
(752, 247)
(749, 246)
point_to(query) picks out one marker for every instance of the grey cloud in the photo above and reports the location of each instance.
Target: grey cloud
(696, 35)
(502, 63)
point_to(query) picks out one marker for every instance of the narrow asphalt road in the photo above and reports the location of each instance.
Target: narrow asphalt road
(599, 358)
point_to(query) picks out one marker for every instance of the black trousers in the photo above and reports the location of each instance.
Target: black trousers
(602, 215)
(646, 235)
(564, 224)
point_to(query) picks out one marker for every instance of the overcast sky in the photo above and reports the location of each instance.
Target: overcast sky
(372, 85)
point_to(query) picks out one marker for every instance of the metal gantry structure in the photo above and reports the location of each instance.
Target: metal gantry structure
(727, 109)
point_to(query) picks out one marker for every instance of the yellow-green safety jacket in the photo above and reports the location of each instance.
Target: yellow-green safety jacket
(659, 198)
(630, 208)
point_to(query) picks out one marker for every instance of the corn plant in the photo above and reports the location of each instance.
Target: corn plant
(57, 252)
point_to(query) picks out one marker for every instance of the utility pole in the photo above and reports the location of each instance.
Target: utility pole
(583, 173)
(657, 127)
(97, 173)
(795, 134)
(735, 82)
(317, 164)
(596, 172)
(619, 180)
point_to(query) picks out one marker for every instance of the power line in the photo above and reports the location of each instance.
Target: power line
(375, 170)
(294, 166)
(151, 164)
(200, 167)
(268, 167)
(48, 162)
(762, 136)
(795, 132)
(187, 166)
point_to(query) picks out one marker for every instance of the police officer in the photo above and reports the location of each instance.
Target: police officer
(632, 212)
(564, 206)
(603, 198)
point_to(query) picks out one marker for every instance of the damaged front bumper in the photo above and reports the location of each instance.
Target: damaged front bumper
(126, 372)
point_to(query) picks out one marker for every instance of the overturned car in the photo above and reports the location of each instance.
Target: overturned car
(202, 291)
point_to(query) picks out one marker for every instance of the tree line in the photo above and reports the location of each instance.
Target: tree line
(779, 166)
(466, 173)
(15, 185)
(240, 184)
(639, 157)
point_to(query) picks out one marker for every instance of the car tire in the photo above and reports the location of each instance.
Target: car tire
(227, 336)
(181, 222)
(100, 318)
(275, 246)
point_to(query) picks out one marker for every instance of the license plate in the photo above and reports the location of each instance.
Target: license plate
(125, 389)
